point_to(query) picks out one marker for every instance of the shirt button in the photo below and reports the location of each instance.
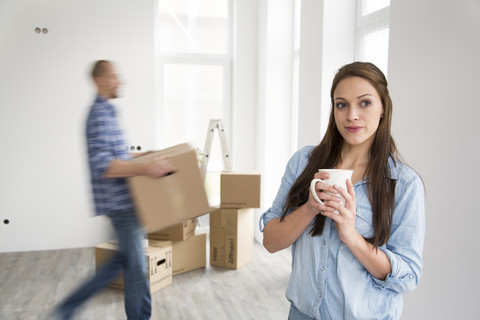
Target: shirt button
(319, 295)
(324, 242)
(322, 268)
(411, 276)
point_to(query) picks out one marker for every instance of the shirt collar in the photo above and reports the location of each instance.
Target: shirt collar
(393, 168)
(100, 99)
(107, 106)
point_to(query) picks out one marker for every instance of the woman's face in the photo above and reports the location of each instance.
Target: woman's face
(357, 111)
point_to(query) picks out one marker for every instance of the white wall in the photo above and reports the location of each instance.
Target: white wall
(244, 102)
(45, 92)
(310, 73)
(274, 96)
(434, 71)
(246, 87)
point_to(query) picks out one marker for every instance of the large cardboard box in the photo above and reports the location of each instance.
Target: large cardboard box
(231, 237)
(159, 260)
(188, 254)
(172, 199)
(178, 232)
(240, 189)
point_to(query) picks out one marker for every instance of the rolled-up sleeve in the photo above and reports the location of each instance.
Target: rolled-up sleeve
(404, 248)
(295, 167)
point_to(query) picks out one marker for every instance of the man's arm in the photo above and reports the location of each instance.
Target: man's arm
(156, 168)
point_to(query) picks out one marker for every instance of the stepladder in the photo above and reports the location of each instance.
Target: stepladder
(215, 125)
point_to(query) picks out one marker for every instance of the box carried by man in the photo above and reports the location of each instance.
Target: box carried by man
(172, 199)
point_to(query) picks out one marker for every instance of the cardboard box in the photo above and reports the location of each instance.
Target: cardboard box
(188, 254)
(159, 260)
(240, 189)
(178, 232)
(231, 237)
(172, 199)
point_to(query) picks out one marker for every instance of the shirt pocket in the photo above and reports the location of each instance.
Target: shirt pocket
(364, 221)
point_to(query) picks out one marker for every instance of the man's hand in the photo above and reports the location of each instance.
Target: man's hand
(158, 167)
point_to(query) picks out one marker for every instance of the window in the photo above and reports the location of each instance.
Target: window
(370, 6)
(372, 32)
(193, 26)
(193, 46)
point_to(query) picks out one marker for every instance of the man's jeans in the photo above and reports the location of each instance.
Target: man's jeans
(131, 259)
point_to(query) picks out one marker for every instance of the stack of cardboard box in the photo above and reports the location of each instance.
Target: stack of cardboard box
(170, 252)
(168, 207)
(189, 250)
(231, 225)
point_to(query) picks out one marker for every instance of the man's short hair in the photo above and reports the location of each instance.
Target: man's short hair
(100, 68)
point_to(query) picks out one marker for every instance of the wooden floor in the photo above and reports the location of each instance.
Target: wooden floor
(32, 283)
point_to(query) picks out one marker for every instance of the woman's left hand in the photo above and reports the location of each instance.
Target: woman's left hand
(345, 220)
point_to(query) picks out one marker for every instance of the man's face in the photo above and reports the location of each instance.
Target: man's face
(109, 83)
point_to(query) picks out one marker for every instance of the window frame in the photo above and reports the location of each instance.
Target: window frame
(225, 61)
(369, 23)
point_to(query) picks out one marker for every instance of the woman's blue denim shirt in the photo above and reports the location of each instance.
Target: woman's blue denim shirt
(327, 281)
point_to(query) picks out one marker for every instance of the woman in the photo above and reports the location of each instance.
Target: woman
(358, 263)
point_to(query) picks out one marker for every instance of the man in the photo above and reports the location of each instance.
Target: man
(109, 165)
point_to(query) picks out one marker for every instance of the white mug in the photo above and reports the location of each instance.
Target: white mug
(337, 176)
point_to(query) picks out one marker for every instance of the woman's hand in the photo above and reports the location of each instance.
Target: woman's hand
(325, 192)
(280, 234)
(345, 220)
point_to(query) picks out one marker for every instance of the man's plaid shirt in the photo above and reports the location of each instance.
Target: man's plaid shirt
(105, 143)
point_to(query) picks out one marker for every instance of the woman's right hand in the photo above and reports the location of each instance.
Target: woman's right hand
(278, 235)
(322, 188)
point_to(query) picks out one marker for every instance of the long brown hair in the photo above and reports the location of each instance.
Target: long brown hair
(380, 186)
